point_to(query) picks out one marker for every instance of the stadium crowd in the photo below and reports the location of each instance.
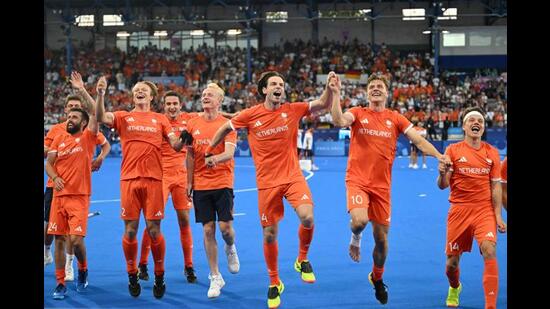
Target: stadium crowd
(415, 91)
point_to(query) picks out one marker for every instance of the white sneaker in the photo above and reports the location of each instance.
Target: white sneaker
(232, 259)
(410, 165)
(69, 272)
(314, 167)
(216, 285)
(424, 165)
(48, 259)
(415, 166)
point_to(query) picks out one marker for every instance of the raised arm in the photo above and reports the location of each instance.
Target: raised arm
(107, 118)
(219, 136)
(339, 119)
(325, 100)
(78, 84)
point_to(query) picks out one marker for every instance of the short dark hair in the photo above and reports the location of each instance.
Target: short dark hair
(171, 93)
(471, 109)
(262, 82)
(72, 97)
(84, 114)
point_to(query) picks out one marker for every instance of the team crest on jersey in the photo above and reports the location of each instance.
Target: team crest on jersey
(388, 123)
(154, 120)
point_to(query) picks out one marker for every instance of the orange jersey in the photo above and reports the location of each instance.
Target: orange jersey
(61, 128)
(141, 135)
(504, 170)
(220, 176)
(373, 145)
(472, 173)
(272, 138)
(171, 158)
(73, 162)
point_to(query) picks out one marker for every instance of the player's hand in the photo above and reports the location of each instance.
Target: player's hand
(210, 160)
(101, 85)
(59, 183)
(501, 225)
(76, 80)
(186, 138)
(190, 191)
(334, 83)
(96, 164)
(445, 164)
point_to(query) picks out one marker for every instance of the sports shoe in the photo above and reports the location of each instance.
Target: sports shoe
(410, 165)
(82, 281)
(381, 290)
(133, 285)
(415, 166)
(69, 272)
(314, 167)
(424, 166)
(274, 295)
(142, 272)
(60, 292)
(452, 297)
(189, 273)
(159, 287)
(304, 267)
(232, 259)
(48, 258)
(216, 285)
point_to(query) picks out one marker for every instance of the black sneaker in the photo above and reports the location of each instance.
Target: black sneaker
(133, 285)
(189, 273)
(159, 287)
(380, 290)
(59, 292)
(142, 272)
(82, 281)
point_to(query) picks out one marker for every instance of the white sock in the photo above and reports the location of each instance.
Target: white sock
(356, 240)
(70, 258)
(232, 248)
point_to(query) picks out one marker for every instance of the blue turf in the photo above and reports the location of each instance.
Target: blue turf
(414, 271)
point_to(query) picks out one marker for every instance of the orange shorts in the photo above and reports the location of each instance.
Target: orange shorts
(174, 182)
(375, 200)
(69, 215)
(270, 200)
(466, 222)
(141, 193)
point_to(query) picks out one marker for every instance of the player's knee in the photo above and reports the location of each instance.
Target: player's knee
(488, 250)
(359, 223)
(209, 230)
(269, 236)
(307, 220)
(130, 234)
(451, 265)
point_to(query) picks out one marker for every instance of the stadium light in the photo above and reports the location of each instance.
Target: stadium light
(122, 34)
(160, 33)
(197, 32)
(234, 31)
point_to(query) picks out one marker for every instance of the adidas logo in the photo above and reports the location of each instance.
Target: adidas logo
(77, 140)
(490, 234)
(388, 219)
(492, 293)
(489, 161)
(365, 121)
(462, 159)
(284, 115)
(305, 197)
(131, 119)
(257, 124)
(78, 229)
(154, 120)
(61, 145)
(197, 132)
(158, 214)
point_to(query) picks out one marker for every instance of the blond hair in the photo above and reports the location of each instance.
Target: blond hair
(216, 88)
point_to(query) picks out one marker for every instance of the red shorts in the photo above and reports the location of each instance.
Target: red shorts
(141, 193)
(69, 215)
(270, 200)
(375, 200)
(174, 182)
(466, 222)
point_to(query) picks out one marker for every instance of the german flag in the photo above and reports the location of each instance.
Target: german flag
(353, 74)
